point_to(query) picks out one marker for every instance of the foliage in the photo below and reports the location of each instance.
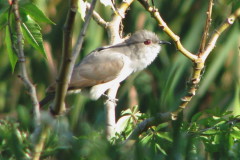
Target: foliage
(209, 128)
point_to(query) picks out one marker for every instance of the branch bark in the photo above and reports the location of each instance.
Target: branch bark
(63, 78)
(147, 123)
(69, 56)
(207, 26)
(114, 33)
(22, 67)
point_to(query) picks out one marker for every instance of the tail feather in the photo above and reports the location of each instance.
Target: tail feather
(49, 97)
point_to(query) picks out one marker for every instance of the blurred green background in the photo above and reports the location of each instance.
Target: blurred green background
(156, 89)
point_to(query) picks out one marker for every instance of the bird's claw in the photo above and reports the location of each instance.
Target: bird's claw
(110, 99)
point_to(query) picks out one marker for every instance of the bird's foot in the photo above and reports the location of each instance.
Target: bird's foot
(113, 100)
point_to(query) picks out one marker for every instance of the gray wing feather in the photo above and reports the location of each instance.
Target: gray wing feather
(98, 67)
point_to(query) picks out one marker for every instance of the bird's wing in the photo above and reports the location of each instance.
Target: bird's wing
(96, 68)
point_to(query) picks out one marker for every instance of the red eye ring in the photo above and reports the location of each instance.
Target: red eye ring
(147, 42)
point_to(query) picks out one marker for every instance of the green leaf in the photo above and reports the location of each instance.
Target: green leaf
(122, 123)
(146, 139)
(235, 134)
(11, 54)
(31, 32)
(165, 135)
(35, 13)
(210, 132)
(196, 116)
(160, 149)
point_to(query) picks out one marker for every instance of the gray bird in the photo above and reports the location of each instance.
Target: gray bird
(109, 65)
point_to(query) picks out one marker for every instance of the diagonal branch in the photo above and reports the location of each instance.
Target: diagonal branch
(62, 79)
(22, 67)
(156, 15)
(97, 17)
(228, 22)
(147, 123)
(69, 56)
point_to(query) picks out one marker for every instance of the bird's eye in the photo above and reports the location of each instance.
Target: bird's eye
(147, 42)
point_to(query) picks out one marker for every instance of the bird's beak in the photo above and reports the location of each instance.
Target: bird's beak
(164, 42)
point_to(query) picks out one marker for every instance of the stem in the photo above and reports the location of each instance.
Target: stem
(114, 36)
(63, 78)
(22, 66)
(206, 28)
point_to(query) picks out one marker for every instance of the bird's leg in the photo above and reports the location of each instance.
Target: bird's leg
(113, 100)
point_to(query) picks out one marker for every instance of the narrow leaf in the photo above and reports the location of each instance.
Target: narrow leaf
(31, 32)
(11, 54)
(35, 13)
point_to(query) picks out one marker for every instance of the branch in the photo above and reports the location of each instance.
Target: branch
(114, 25)
(69, 56)
(147, 123)
(113, 28)
(62, 79)
(228, 22)
(206, 28)
(22, 67)
(200, 62)
(156, 15)
(97, 17)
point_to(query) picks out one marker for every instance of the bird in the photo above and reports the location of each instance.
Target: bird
(106, 66)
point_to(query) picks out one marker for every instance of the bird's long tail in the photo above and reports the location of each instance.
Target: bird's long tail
(49, 97)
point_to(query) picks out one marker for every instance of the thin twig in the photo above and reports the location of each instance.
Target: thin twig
(207, 26)
(22, 67)
(228, 22)
(79, 43)
(97, 17)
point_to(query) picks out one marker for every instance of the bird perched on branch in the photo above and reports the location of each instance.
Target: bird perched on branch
(109, 65)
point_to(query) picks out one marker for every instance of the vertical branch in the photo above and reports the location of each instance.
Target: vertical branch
(41, 134)
(62, 79)
(110, 106)
(113, 28)
(70, 56)
(22, 67)
(206, 28)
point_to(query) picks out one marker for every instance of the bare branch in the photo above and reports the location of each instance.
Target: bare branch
(228, 22)
(98, 18)
(22, 67)
(207, 26)
(69, 56)
(114, 36)
(62, 79)
(110, 105)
